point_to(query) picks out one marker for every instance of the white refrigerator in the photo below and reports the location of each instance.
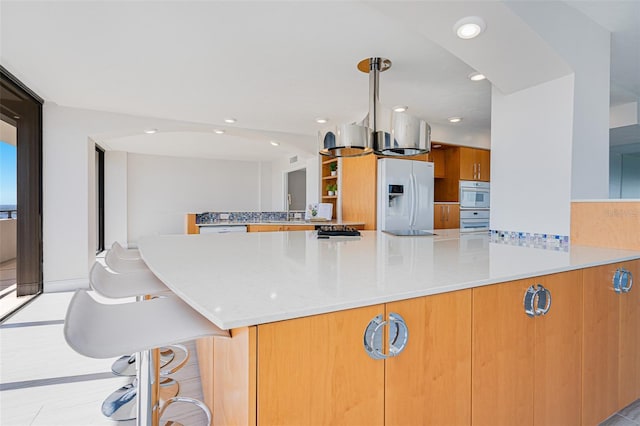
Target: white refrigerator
(405, 196)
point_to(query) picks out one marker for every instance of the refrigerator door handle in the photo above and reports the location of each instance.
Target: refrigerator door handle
(414, 200)
(417, 198)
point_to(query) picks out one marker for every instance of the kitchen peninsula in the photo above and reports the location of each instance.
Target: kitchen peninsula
(298, 308)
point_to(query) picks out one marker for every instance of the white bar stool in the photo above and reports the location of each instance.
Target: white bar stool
(120, 404)
(124, 265)
(99, 330)
(124, 253)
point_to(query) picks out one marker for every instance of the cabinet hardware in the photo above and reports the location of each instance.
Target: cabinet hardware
(398, 336)
(537, 301)
(474, 170)
(622, 280)
(478, 171)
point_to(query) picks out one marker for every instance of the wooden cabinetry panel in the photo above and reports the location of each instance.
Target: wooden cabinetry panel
(315, 371)
(429, 383)
(600, 345)
(446, 216)
(558, 339)
(468, 163)
(191, 226)
(436, 156)
(276, 228)
(483, 158)
(359, 188)
(629, 349)
(503, 356)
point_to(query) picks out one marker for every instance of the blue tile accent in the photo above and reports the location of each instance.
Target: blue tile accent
(526, 239)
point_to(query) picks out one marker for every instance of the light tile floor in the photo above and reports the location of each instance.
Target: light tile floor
(43, 382)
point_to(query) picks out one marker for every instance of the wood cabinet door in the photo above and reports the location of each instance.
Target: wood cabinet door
(629, 349)
(468, 167)
(503, 356)
(558, 345)
(601, 326)
(429, 383)
(483, 159)
(315, 371)
(264, 228)
(439, 216)
(437, 158)
(453, 216)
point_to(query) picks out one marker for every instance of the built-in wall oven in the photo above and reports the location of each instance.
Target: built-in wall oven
(474, 195)
(474, 206)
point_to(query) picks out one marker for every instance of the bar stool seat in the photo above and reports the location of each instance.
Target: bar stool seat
(99, 330)
(124, 253)
(123, 265)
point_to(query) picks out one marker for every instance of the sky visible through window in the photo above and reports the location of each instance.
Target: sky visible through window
(8, 177)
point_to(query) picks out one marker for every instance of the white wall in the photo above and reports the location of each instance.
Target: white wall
(279, 170)
(587, 50)
(161, 190)
(115, 198)
(266, 186)
(531, 154)
(69, 194)
(457, 135)
(624, 115)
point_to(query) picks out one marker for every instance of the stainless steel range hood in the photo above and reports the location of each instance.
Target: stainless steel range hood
(382, 131)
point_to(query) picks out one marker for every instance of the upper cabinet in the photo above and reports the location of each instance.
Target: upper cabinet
(474, 164)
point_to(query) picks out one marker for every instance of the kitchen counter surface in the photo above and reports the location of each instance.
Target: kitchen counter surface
(243, 279)
(283, 222)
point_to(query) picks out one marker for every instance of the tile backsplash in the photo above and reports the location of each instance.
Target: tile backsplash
(527, 239)
(247, 217)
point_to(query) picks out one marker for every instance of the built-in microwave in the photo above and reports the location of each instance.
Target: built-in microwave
(474, 195)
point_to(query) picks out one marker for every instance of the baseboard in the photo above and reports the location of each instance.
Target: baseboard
(65, 285)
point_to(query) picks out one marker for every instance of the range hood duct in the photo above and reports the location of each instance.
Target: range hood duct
(382, 131)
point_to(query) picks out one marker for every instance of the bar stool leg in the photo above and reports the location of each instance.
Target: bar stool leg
(146, 379)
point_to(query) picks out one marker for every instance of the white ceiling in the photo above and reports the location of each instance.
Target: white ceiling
(276, 66)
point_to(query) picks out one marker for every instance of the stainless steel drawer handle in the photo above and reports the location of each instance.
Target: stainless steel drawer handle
(537, 301)
(544, 301)
(373, 336)
(622, 280)
(398, 334)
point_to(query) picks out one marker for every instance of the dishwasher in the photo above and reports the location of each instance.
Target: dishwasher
(222, 229)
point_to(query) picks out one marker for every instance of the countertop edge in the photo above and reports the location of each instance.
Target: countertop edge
(284, 316)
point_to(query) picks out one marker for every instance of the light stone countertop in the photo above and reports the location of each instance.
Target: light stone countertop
(243, 279)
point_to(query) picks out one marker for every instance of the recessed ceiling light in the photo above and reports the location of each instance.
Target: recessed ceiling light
(476, 76)
(454, 119)
(230, 120)
(400, 108)
(218, 132)
(150, 131)
(321, 120)
(274, 143)
(469, 27)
